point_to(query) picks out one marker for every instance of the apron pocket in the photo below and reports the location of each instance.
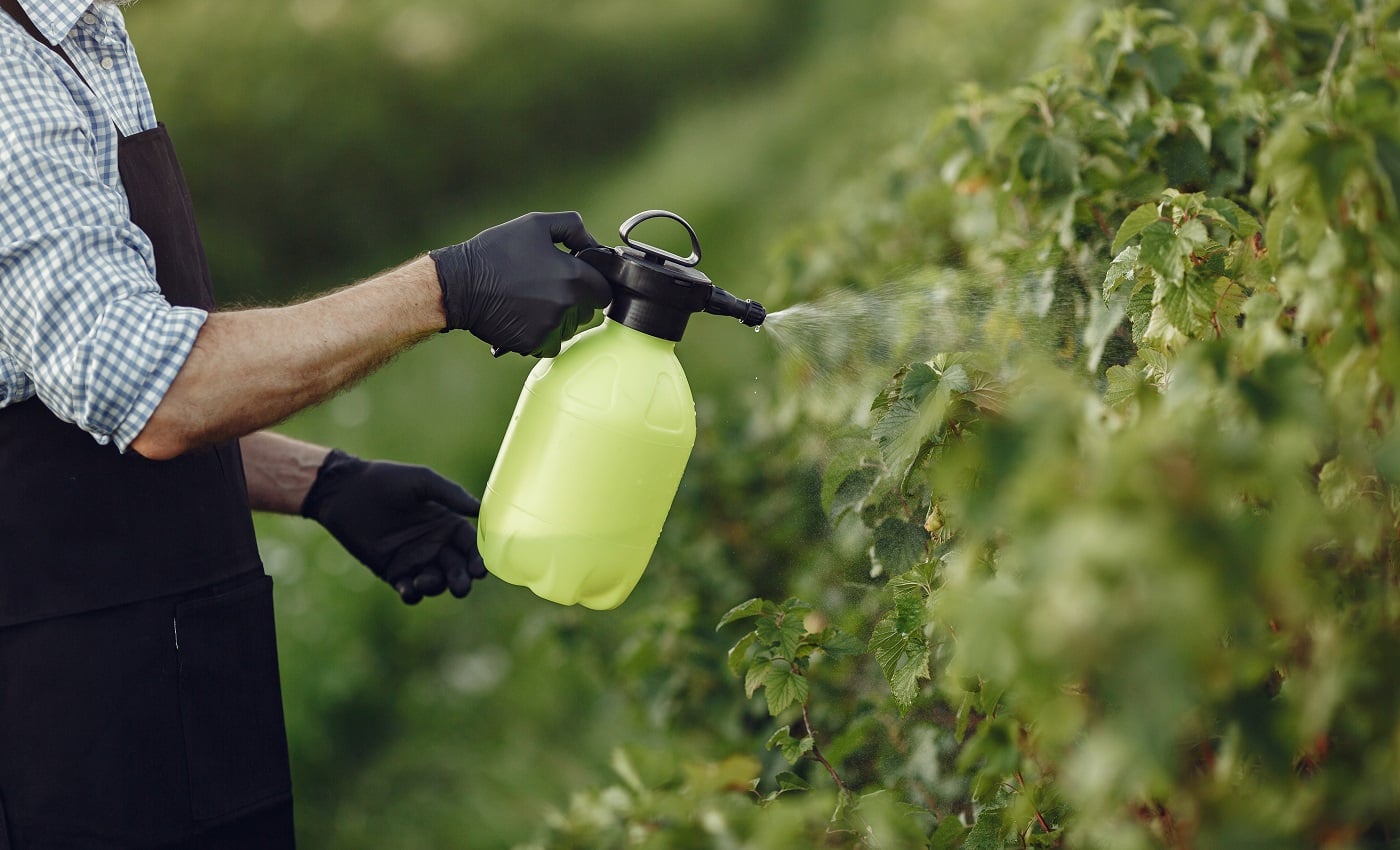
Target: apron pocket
(231, 700)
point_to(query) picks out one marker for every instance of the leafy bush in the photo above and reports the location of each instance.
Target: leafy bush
(1124, 560)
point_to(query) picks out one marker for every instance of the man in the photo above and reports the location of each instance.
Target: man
(139, 702)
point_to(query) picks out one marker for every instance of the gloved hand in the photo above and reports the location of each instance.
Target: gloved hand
(406, 523)
(510, 286)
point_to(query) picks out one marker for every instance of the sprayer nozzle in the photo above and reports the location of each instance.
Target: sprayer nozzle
(754, 316)
(722, 303)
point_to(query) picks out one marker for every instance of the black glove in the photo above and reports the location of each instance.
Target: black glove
(511, 286)
(406, 523)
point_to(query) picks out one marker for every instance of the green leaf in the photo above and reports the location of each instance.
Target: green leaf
(793, 605)
(1165, 66)
(899, 544)
(1184, 160)
(1140, 313)
(1155, 360)
(844, 456)
(1189, 305)
(1176, 303)
(1123, 384)
(987, 833)
(739, 653)
(783, 633)
(1122, 270)
(1133, 225)
(1161, 251)
(914, 585)
(1240, 222)
(1050, 160)
(916, 415)
(838, 644)
(949, 835)
(1193, 234)
(793, 749)
(776, 739)
(910, 606)
(1229, 301)
(789, 781)
(882, 402)
(749, 608)
(784, 687)
(964, 717)
(903, 655)
(756, 675)
(955, 378)
(852, 492)
(1332, 160)
(918, 382)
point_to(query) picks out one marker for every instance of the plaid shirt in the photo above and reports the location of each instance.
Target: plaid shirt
(83, 324)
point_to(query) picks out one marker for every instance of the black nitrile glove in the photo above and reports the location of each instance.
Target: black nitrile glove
(511, 286)
(406, 523)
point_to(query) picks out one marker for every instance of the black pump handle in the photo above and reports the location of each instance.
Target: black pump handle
(640, 217)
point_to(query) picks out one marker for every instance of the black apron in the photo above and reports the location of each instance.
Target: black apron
(139, 695)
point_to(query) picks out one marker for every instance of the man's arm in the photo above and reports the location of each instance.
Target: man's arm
(252, 368)
(509, 285)
(409, 525)
(280, 471)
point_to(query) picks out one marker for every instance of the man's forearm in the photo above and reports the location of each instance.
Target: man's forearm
(253, 368)
(280, 471)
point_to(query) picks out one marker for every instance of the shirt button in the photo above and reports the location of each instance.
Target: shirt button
(107, 64)
(73, 33)
(89, 19)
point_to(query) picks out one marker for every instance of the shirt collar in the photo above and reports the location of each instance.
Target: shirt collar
(55, 18)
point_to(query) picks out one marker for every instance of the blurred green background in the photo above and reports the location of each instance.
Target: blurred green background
(325, 140)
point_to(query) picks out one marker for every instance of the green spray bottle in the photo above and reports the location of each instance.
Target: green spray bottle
(593, 456)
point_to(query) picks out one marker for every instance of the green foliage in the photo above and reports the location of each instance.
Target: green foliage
(899, 641)
(777, 656)
(326, 139)
(1125, 557)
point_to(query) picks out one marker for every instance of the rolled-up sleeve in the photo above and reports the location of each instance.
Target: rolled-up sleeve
(83, 324)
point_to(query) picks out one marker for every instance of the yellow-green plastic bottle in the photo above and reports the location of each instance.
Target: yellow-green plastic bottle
(594, 453)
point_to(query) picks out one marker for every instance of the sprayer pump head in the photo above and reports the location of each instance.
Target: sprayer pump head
(655, 291)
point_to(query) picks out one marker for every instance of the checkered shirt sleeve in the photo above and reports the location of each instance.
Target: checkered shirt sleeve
(83, 325)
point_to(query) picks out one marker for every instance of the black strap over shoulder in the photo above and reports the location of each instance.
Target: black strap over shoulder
(22, 18)
(13, 7)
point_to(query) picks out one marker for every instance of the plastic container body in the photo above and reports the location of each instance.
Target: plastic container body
(589, 468)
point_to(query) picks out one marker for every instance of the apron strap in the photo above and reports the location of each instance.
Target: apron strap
(13, 7)
(22, 18)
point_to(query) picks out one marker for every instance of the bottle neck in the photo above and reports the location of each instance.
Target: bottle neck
(650, 317)
(636, 337)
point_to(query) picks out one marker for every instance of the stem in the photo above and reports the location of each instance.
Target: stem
(1368, 313)
(817, 753)
(1215, 316)
(1038, 816)
(1045, 114)
(1101, 221)
(1332, 58)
